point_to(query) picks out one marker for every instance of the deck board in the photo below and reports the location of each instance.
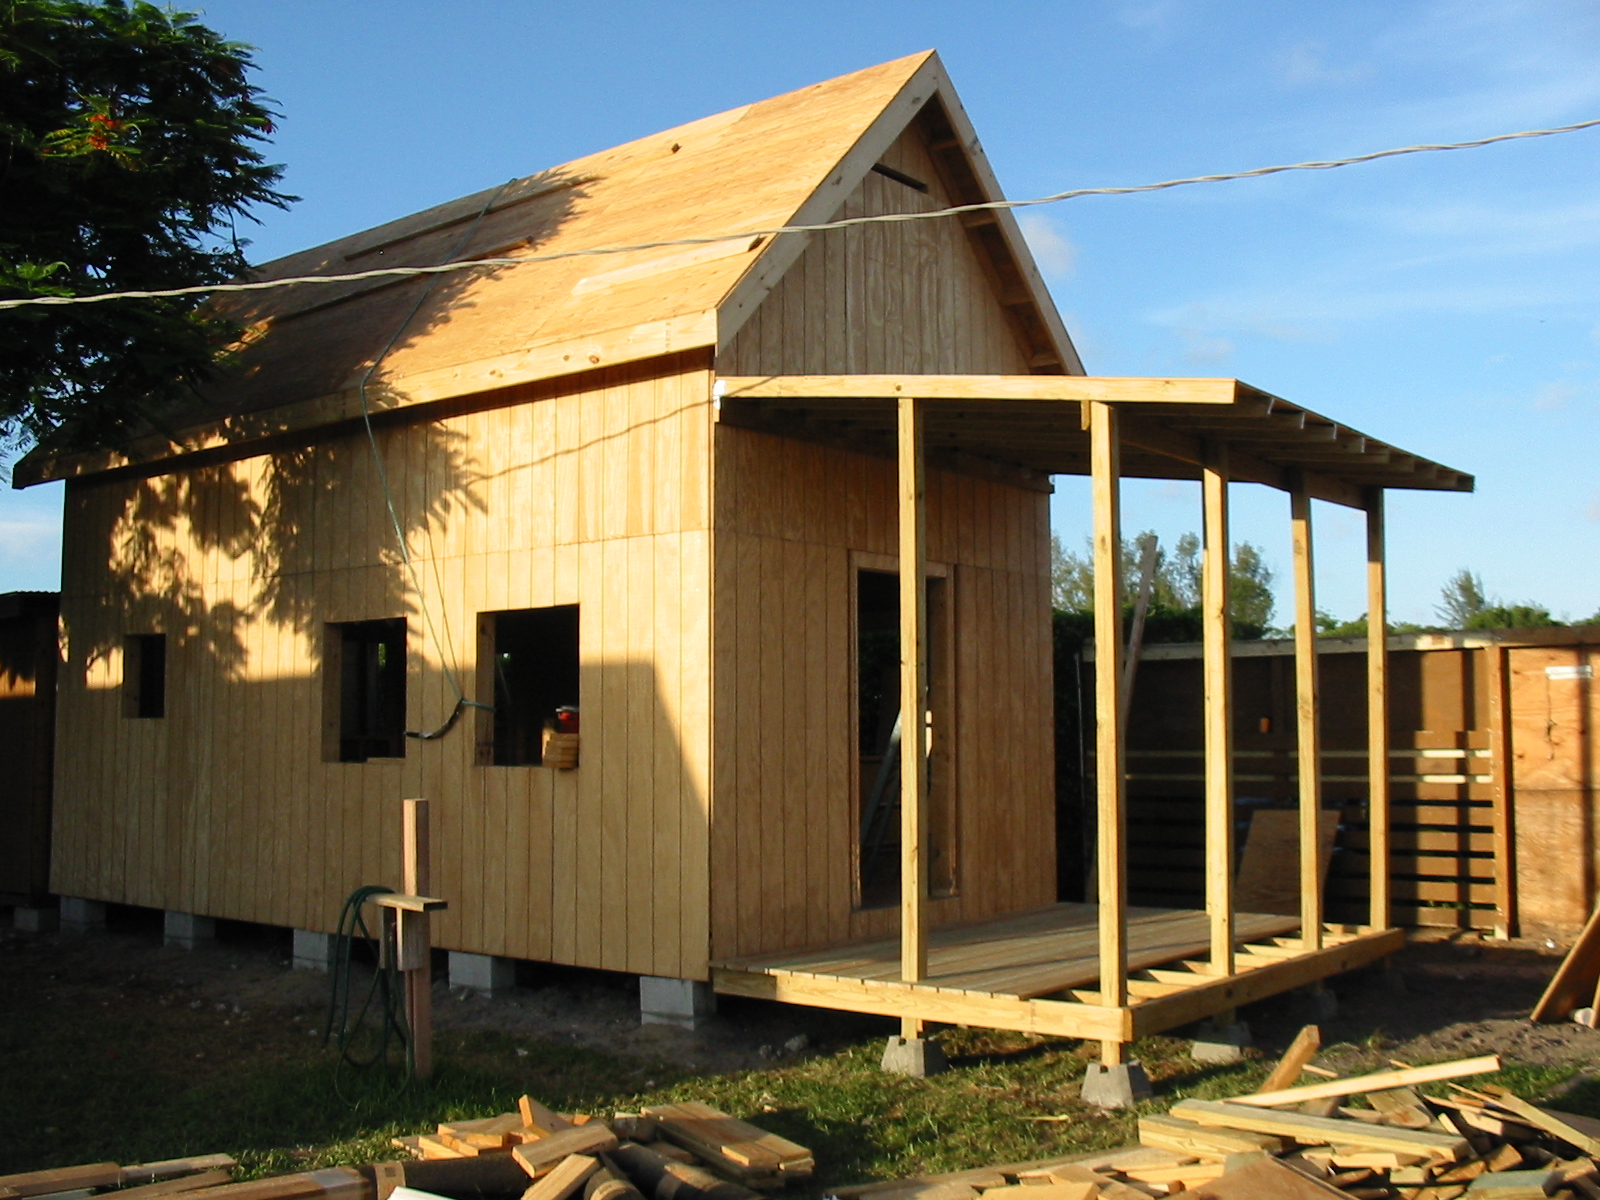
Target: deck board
(1030, 954)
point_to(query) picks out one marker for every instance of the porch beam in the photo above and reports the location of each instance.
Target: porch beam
(1309, 762)
(913, 698)
(1082, 388)
(1217, 635)
(1110, 772)
(1377, 715)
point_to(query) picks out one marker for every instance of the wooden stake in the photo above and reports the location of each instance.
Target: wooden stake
(1505, 859)
(1301, 1051)
(1377, 716)
(416, 857)
(1217, 634)
(913, 694)
(1110, 781)
(1310, 749)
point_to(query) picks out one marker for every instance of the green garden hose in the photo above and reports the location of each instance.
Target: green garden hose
(359, 1044)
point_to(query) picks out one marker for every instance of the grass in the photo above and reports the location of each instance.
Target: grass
(108, 1069)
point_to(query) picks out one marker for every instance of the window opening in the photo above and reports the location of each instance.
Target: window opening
(879, 740)
(144, 676)
(370, 657)
(532, 655)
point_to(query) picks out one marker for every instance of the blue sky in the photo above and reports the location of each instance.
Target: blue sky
(1447, 303)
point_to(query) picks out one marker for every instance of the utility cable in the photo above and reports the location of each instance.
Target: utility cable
(822, 227)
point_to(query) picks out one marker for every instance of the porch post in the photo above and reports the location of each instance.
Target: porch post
(913, 699)
(1110, 782)
(1309, 746)
(1217, 634)
(1377, 716)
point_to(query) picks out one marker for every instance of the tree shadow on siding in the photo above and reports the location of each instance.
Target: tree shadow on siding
(200, 553)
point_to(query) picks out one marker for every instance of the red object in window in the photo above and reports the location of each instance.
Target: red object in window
(567, 719)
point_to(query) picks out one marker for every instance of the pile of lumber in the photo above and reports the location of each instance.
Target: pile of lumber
(686, 1151)
(674, 1152)
(1303, 1142)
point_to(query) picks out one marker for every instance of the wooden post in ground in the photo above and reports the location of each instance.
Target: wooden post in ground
(1308, 741)
(1110, 783)
(1378, 907)
(913, 701)
(1505, 860)
(416, 857)
(1217, 636)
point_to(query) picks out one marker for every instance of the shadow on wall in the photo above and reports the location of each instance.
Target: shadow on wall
(177, 537)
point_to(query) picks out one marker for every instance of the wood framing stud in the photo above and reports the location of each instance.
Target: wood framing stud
(1217, 636)
(416, 857)
(1505, 864)
(1308, 740)
(1110, 774)
(1377, 715)
(913, 694)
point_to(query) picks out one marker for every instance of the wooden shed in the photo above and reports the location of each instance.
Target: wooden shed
(674, 488)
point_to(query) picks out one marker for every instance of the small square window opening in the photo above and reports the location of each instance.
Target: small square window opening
(528, 661)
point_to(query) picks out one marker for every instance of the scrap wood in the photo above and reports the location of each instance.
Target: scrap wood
(610, 1182)
(1381, 1081)
(565, 1178)
(1551, 1121)
(62, 1179)
(170, 1168)
(540, 1157)
(169, 1187)
(1320, 1130)
(1576, 979)
(1514, 1185)
(664, 1179)
(1295, 1059)
(741, 1150)
(1264, 1179)
(539, 1119)
(1174, 1133)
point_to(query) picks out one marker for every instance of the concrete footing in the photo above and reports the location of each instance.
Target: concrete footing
(483, 973)
(35, 920)
(313, 951)
(1115, 1087)
(78, 915)
(686, 1003)
(1220, 1043)
(186, 931)
(917, 1057)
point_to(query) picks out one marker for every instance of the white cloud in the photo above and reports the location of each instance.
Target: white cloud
(28, 535)
(1055, 251)
(1199, 348)
(1304, 65)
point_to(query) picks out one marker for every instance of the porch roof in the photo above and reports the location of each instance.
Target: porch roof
(1168, 427)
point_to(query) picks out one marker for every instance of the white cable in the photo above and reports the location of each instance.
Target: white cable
(883, 218)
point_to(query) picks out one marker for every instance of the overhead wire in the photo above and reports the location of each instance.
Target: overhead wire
(818, 227)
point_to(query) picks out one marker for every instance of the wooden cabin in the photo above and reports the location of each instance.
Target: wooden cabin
(674, 488)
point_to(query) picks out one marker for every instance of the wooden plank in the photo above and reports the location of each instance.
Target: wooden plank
(168, 1187)
(1308, 734)
(1110, 782)
(1322, 1130)
(1217, 634)
(1550, 1121)
(1495, 661)
(889, 998)
(1379, 1082)
(1378, 806)
(1301, 1051)
(539, 1157)
(62, 1179)
(913, 545)
(564, 1179)
(168, 1168)
(1071, 388)
(1185, 1137)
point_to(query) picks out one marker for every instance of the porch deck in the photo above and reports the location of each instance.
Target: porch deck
(1029, 971)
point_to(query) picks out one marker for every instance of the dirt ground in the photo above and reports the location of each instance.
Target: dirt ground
(1443, 997)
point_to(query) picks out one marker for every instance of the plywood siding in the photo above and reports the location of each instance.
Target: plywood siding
(1555, 765)
(597, 495)
(882, 298)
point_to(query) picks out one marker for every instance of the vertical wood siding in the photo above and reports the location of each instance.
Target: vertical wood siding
(225, 807)
(889, 298)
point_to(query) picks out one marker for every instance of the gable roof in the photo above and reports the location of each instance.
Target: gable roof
(792, 159)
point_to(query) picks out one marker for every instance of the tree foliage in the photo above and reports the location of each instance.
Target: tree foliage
(1174, 613)
(128, 150)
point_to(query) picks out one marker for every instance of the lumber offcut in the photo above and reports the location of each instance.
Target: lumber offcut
(1330, 1130)
(539, 1157)
(662, 1179)
(736, 1148)
(1382, 1081)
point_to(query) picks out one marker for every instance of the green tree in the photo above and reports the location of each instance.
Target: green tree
(128, 138)
(1511, 616)
(1461, 599)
